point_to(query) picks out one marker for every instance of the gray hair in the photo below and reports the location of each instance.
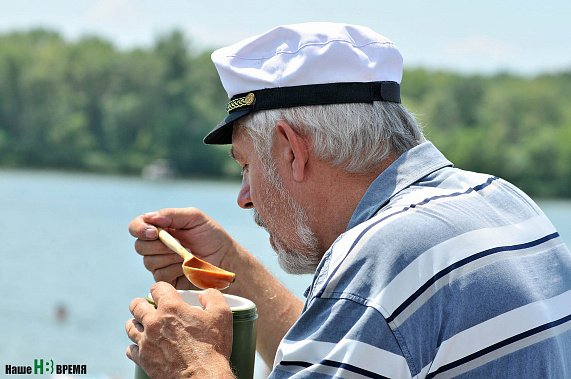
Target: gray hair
(355, 136)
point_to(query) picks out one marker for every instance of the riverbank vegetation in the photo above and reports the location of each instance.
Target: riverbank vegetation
(87, 105)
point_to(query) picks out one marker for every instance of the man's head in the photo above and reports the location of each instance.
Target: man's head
(306, 64)
(305, 96)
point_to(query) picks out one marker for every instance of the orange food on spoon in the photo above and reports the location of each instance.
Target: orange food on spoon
(200, 273)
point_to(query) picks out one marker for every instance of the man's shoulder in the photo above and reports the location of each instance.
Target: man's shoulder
(453, 201)
(429, 226)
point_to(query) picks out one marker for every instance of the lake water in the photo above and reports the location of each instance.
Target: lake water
(64, 243)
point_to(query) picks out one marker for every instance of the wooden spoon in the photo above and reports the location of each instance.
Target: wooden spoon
(200, 273)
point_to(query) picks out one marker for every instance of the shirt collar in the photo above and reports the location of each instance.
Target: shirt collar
(410, 167)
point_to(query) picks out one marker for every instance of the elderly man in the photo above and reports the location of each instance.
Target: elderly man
(421, 269)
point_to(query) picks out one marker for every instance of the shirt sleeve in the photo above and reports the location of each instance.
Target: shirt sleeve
(340, 338)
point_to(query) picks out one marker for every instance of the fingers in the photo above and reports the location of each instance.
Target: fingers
(142, 229)
(164, 293)
(213, 301)
(144, 226)
(140, 308)
(157, 261)
(133, 353)
(216, 306)
(177, 218)
(182, 283)
(169, 273)
(165, 271)
(134, 330)
(165, 265)
(155, 247)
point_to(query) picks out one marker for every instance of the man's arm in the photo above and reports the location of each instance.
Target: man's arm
(277, 308)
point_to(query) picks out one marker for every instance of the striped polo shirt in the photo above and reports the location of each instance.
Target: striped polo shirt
(441, 273)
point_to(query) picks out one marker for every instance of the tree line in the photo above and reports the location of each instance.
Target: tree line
(89, 106)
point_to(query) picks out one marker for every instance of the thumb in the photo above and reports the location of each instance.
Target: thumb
(164, 292)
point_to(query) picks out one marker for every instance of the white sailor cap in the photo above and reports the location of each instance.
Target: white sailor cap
(305, 64)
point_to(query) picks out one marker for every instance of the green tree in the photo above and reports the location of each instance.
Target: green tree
(89, 106)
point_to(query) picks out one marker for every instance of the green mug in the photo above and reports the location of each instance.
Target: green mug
(244, 314)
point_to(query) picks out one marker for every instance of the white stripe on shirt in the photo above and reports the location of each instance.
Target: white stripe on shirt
(339, 263)
(502, 327)
(451, 251)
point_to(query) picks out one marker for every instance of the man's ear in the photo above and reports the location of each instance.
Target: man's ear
(293, 149)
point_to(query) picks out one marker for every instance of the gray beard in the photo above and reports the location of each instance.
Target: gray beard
(303, 255)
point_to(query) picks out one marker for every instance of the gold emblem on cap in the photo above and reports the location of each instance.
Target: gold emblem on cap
(241, 102)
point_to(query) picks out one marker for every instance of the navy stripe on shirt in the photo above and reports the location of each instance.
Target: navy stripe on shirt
(496, 346)
(412, 206)
(463, 262)
(330, 363)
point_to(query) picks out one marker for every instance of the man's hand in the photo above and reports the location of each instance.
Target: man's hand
(205, 238)
(277, 308)
(176, 340)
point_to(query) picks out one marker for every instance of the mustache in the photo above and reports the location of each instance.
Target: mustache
(258, 219)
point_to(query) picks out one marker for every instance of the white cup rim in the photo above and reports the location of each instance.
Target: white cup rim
(236, 303)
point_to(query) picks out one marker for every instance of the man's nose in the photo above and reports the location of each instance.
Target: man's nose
(244, 199)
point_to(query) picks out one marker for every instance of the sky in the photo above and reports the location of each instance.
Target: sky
(466, 36)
